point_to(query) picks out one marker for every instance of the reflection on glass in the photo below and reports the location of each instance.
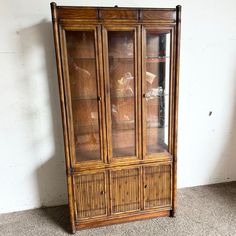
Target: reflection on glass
(157, 89)
(83, 86)
(122, 92)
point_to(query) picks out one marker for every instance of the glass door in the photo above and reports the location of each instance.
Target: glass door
(156, 87)
(121, 87)
(84, 93)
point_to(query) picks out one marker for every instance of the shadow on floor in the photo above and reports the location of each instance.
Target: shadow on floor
(40, 86)
(59, 216)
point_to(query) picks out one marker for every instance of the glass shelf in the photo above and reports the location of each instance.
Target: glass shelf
(157, 148)
(122, 96)
(120, 58)
(156, 96)
(156, 57)
(87, 155)
(84, 98)
(86, 128)
(82, 58)
(155, 125)
(125, 151)
(155, 60)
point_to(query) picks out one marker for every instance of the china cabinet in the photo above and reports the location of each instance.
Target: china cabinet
(118, 78)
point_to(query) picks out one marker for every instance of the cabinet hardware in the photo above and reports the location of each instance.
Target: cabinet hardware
(70, 171)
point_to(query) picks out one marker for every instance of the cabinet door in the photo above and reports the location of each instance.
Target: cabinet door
(157, 186)
(90, 195)
(120, 56)
(83, 93)
(156, 89)
(125, 190)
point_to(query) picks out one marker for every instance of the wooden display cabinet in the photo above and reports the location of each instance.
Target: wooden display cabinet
(118, 78)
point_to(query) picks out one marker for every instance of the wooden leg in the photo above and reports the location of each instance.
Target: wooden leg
(73, 230)
(172, 213)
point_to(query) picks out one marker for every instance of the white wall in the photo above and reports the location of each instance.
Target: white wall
(32, 160)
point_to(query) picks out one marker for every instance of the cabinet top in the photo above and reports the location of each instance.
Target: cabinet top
(100, 14)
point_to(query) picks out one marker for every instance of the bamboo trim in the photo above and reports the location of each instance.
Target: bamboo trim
(103, 117)
(63, 113)
(99, 92)
(177, 64)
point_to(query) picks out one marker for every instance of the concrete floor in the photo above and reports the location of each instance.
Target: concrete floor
(205, 210)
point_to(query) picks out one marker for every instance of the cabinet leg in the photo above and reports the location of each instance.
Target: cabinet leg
(73, 230)
(172, 213)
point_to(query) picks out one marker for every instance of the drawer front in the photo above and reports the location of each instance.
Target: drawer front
(90, 195)
(157, 186)
(125, 190)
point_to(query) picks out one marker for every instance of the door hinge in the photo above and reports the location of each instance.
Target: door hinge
(70, 171)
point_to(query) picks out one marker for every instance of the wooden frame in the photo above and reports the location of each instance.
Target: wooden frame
(100, 20)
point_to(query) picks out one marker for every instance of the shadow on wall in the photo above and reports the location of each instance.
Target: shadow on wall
(40, 78)
(225, 168)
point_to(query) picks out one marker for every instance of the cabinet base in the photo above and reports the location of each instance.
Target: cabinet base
(118, 220)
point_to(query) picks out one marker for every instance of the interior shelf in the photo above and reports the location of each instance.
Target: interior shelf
(119, 152)
(123, 126)
(87, 155)
(155, 60)
(157, 148)
(154, 125)
(156, 57)
(122, 96)
(82, 58)
(121, 58)
(84, 98)
(87, 128)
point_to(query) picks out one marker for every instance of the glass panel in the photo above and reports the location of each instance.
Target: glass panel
(83, 86)
(157, 62)
(122, 92)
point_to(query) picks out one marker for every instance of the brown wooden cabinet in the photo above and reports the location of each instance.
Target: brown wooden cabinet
(118, 78)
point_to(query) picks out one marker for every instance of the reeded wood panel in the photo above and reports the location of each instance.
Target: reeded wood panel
(125, 188)
(90, 195)
(157, 186)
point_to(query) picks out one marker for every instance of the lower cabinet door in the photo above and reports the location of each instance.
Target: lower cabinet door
(90, 195)
(157, 186)
(125, 190)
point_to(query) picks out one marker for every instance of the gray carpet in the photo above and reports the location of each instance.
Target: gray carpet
(206, 210)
